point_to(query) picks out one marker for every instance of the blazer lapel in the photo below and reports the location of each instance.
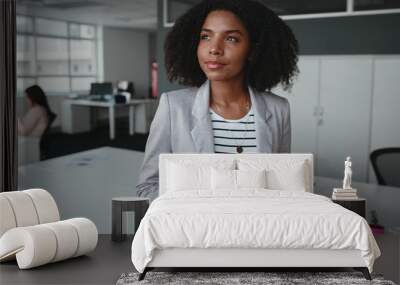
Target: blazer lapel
(202, 133)
(263, 129)
(202, 129)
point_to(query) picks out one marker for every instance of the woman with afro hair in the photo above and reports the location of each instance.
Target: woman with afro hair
(230, 53)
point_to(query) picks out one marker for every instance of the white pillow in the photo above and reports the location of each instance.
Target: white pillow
(282, 174)
(188, 175)
(231, 180)
(251, 178)
(223, 179)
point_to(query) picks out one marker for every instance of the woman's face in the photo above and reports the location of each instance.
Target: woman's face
(223, 47)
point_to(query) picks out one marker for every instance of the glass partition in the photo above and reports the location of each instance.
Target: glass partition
(52, 56)
(25, 55)
(61, 55)
(51, 27)
(83, 57)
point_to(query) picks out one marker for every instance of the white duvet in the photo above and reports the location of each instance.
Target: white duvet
(250, 219)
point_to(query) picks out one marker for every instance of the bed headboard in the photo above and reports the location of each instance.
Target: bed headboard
(213, 157)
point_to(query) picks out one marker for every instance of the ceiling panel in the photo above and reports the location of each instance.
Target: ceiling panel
(141, 14)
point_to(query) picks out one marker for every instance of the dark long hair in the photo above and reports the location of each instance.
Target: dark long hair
(37, 96)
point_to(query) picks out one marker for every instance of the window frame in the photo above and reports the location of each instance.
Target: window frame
(36, 35)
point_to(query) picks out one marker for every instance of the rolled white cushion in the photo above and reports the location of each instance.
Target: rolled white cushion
(67, 240)
(45, 205)
(37, 245)
(33, 246)
(23, 208)
(7, 218)
(87, 234)
(26, 208)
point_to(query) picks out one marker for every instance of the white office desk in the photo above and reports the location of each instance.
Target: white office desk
(383, 199)
(84, 183)
(137, 114)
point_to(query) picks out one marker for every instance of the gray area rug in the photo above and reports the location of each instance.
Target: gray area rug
(243, 278)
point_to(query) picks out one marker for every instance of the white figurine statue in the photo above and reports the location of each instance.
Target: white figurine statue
(347, 173)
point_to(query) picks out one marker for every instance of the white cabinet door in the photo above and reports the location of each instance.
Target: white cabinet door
(345, 96)
(385, 129)
(303, 99)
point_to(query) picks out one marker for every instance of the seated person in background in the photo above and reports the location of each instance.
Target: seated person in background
(36, 121)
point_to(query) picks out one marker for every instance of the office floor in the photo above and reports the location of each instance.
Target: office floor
(103, 266)
(63, 144)
(111, 259)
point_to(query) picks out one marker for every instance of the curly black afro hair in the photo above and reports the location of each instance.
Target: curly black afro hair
(274, 48)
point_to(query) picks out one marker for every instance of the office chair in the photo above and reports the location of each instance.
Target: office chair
(44, 139)
(386, 165)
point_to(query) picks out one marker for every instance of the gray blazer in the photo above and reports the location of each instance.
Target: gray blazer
(182, 124)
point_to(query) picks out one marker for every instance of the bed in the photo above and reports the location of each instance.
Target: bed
(247, 211)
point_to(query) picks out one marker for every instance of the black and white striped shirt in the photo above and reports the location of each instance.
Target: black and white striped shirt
(228, 134)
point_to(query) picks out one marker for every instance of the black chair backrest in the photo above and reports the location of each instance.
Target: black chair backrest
(44, 139)
(386, 164)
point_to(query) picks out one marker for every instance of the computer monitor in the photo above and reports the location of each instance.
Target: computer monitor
(104, 88)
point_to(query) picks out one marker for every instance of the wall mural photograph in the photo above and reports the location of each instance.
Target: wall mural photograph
(199, 141)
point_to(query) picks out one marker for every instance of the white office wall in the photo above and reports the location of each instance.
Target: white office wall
(303, 99)
(126, 57)
(345, 105)
(345, 96)
(385, 130)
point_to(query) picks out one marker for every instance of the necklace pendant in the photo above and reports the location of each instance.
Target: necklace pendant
(239, 149)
